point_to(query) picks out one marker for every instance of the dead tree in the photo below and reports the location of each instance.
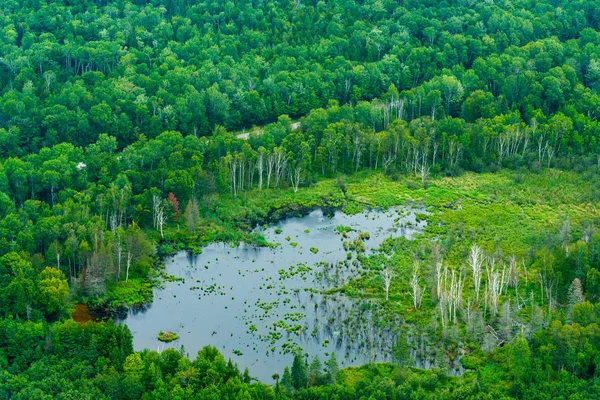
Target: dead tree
(416, 290)
(475, 261)
(387, 275)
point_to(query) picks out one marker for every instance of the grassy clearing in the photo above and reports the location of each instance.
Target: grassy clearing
(506, 213)
(133, 292)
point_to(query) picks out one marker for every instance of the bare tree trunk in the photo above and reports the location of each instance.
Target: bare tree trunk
(387, 274)
(416, 290)
(475, 261)
(260, 166)
(129, 258)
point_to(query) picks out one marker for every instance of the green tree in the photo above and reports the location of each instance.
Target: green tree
(299, 376)
(54, 291)
(332, 369)
(286, 380)
(315, 373)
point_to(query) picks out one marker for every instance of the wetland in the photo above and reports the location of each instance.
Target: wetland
(258, 305)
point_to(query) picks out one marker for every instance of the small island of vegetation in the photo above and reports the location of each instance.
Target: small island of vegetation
(167, 336)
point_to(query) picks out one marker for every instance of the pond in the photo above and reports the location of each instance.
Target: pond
(257, 305)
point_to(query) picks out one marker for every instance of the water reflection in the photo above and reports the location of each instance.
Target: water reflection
(258, 304)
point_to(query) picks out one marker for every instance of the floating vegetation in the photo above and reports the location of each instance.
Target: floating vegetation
(167, 336)
(301, 269)
(283, 307)
(343, 229)
(170, 278)
(357, 245)
(364, 236)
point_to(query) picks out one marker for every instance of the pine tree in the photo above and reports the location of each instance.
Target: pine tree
(402, 351)
(315, 374)
(298, 371)
(275, 377)
(286, 380)
(575, 295)
(332, 369)
(520, 360)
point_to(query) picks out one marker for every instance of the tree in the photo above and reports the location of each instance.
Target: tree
(401, 351)
(137, 247)
(18, 288)
(332, 369)
(54, 291)
(192, 215)
(275, 377)
(158, 213)
(417, 291)
(132, 383)
(583, 313)
(299, 378)
(475, 261)
(315, 372)
(452, 90)
(520, 355)
(286, 380)
(174, 203)
(387, 275)
(575, 294)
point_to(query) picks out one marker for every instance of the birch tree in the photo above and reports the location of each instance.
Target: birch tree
(451, 287)
(496, 281)
(387, 275)
(295, 175)
(118, 249)
(158, 212)
(416, 291)
(475, 261)
(260, 166)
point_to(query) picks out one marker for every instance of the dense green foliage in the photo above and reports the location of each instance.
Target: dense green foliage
(72, 71)
(131, 129)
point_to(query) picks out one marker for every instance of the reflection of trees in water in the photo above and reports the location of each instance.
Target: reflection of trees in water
(364, 331)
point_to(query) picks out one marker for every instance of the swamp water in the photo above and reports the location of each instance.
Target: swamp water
(257, 305)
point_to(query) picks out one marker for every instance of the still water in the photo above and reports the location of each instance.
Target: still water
(256, 305)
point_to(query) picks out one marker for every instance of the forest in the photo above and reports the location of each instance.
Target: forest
(132, 130)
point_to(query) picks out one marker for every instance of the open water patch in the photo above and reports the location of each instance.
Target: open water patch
(258, 305)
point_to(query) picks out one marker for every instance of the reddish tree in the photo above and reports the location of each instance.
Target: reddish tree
(174, 206)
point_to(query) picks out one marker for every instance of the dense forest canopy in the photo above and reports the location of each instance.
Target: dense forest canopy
(132, 129)
(74, 70)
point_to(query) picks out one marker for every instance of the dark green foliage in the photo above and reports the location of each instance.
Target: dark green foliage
(315, 373)
(299, 372)
(113, 114)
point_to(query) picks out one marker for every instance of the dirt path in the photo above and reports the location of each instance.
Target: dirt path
(260, 131)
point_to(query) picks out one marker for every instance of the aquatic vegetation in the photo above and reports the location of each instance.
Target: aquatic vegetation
(167, 336)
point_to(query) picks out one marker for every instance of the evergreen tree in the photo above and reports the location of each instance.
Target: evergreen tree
(286, 380)
(332, 369)
(298, 371)
(315, 374)
(275, 377)
(575, 295)
(402, 351)
(246, 376)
